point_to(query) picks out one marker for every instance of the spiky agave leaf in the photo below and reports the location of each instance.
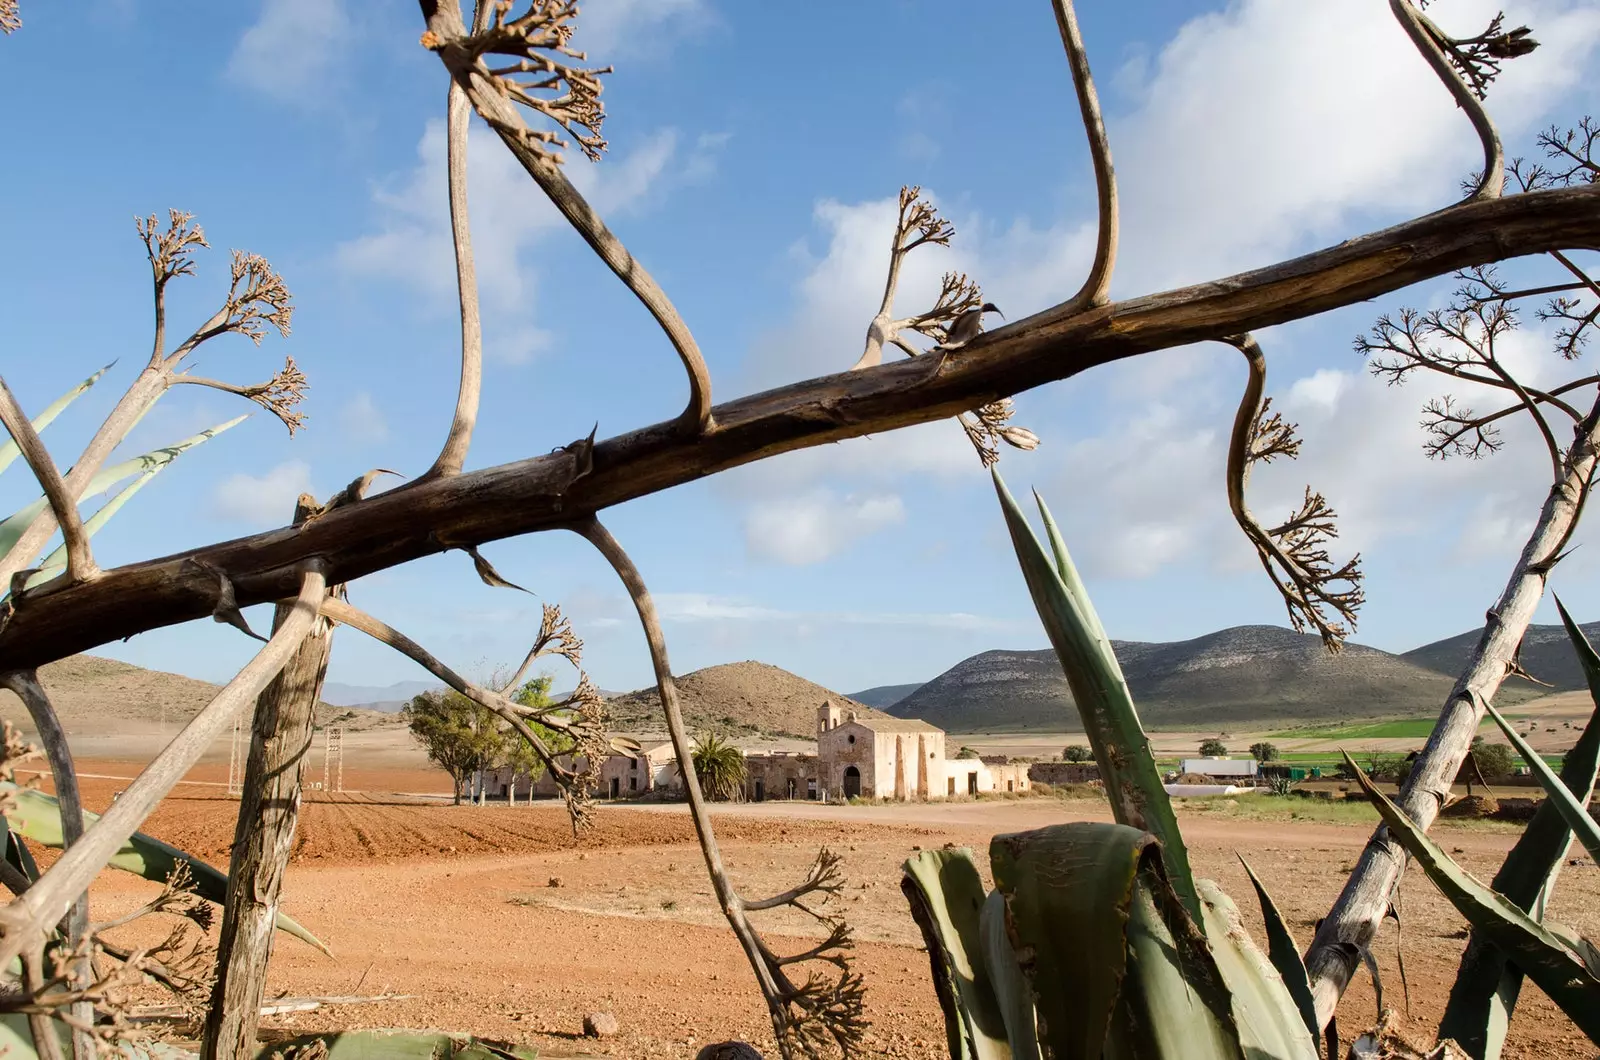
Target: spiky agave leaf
(1284, 953)
(1121, 749)
(144, 465)
(1542, 955)
(1573, 812)
(10, 450)
(946, 896)
(38, 817)
(1487, 986)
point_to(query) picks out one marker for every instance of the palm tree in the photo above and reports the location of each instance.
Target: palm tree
(720, 767)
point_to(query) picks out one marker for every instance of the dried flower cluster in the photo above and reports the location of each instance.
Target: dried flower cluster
(1478, 59)
(10, 20)
(822, 1013)
(170, 250)
(988, 426)
(541, 80)
(1571, 158)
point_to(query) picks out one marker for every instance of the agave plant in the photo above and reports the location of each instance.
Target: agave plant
(1098, 940)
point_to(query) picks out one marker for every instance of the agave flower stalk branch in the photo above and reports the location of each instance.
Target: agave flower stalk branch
(1349, 928)
(573, 783)
(64, 774)
(80, 561)
(494, 94)
(1429, 40)
(1292, 554)
(257, 299)
(1097, 285)
(26, 919)
(804, 1014)
(458, 123)
(547, 491)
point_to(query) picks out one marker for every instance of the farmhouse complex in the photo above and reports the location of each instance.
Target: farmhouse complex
(876, 757)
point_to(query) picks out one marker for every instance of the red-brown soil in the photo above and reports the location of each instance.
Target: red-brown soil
(453, 905)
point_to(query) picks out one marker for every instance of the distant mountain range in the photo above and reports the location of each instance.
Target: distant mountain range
(1242, 674)
(376, 697)
(883, 696)
(1546, 654)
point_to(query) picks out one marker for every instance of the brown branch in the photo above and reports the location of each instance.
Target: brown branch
(548, 491)
(587, 731)
(279, 395)
(27, 918)
(1431, 42)
(1097, 285)
(80, 561)
(803, 1016)
(534, 37)
(454, 454)
(1292, 553)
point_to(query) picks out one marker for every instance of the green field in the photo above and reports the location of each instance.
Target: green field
(1407, 728)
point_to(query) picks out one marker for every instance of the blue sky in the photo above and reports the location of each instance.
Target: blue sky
(756, 150)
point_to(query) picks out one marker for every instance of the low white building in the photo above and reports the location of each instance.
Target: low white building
(1242, 768)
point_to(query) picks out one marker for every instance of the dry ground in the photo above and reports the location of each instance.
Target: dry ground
(454, 905)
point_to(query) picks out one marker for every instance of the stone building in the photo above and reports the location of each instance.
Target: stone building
(879, 757)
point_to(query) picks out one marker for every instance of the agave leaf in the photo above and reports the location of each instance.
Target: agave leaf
(10, 450)
(1271, 1020)
(1285, 953)
(1541, 955)
(1010, 982)
(16, 1043)
(946, 896)
(1115, 963)
(1066, 569)
(18, 854)
(1121, 748)
(13, 526)
(1572, 811)
(1487, 986)
(38, 816)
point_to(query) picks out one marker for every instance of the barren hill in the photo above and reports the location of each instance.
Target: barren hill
(94, 694)
(1546, 654)
(736, 698)
(1247, 673)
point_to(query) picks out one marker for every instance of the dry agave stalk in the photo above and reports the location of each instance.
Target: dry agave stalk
(1319, 595)
(1478, 58)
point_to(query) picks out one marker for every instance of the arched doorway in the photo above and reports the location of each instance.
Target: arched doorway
(852, 782)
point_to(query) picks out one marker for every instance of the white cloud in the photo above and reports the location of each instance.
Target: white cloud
(263, 499)
(610, 28)
(812, 527)
(510, 217)
(361, 420)
(710, 608)
(292, 48)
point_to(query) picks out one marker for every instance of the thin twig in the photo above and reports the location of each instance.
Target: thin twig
(1097, 285)
(80, 561)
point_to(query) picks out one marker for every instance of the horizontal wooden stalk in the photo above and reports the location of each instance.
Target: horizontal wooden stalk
(541, 493)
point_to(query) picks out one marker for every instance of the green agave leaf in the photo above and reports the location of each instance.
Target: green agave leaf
(38, 816)
(1487, 986)
(10, 450)
(1010, 982)
(1116, 966)
(16, 1043)
(12, 528)
(946, 896)
(1572, 811)
(1271, 1020)
(1066, 569)
(1285, 953)
(401, 1045)
(1543, 956)
(1121, 748)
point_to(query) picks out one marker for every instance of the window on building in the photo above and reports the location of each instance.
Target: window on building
(851, 738)
(633, 765)
(633, 783)
(1011, 785)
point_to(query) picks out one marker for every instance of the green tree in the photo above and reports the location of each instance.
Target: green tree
(460, 736)
(966, 752)
(1213, 748)
(1495, 760)
(1077, 752)
(1262, 751)
(720, 767)
(519, 753)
